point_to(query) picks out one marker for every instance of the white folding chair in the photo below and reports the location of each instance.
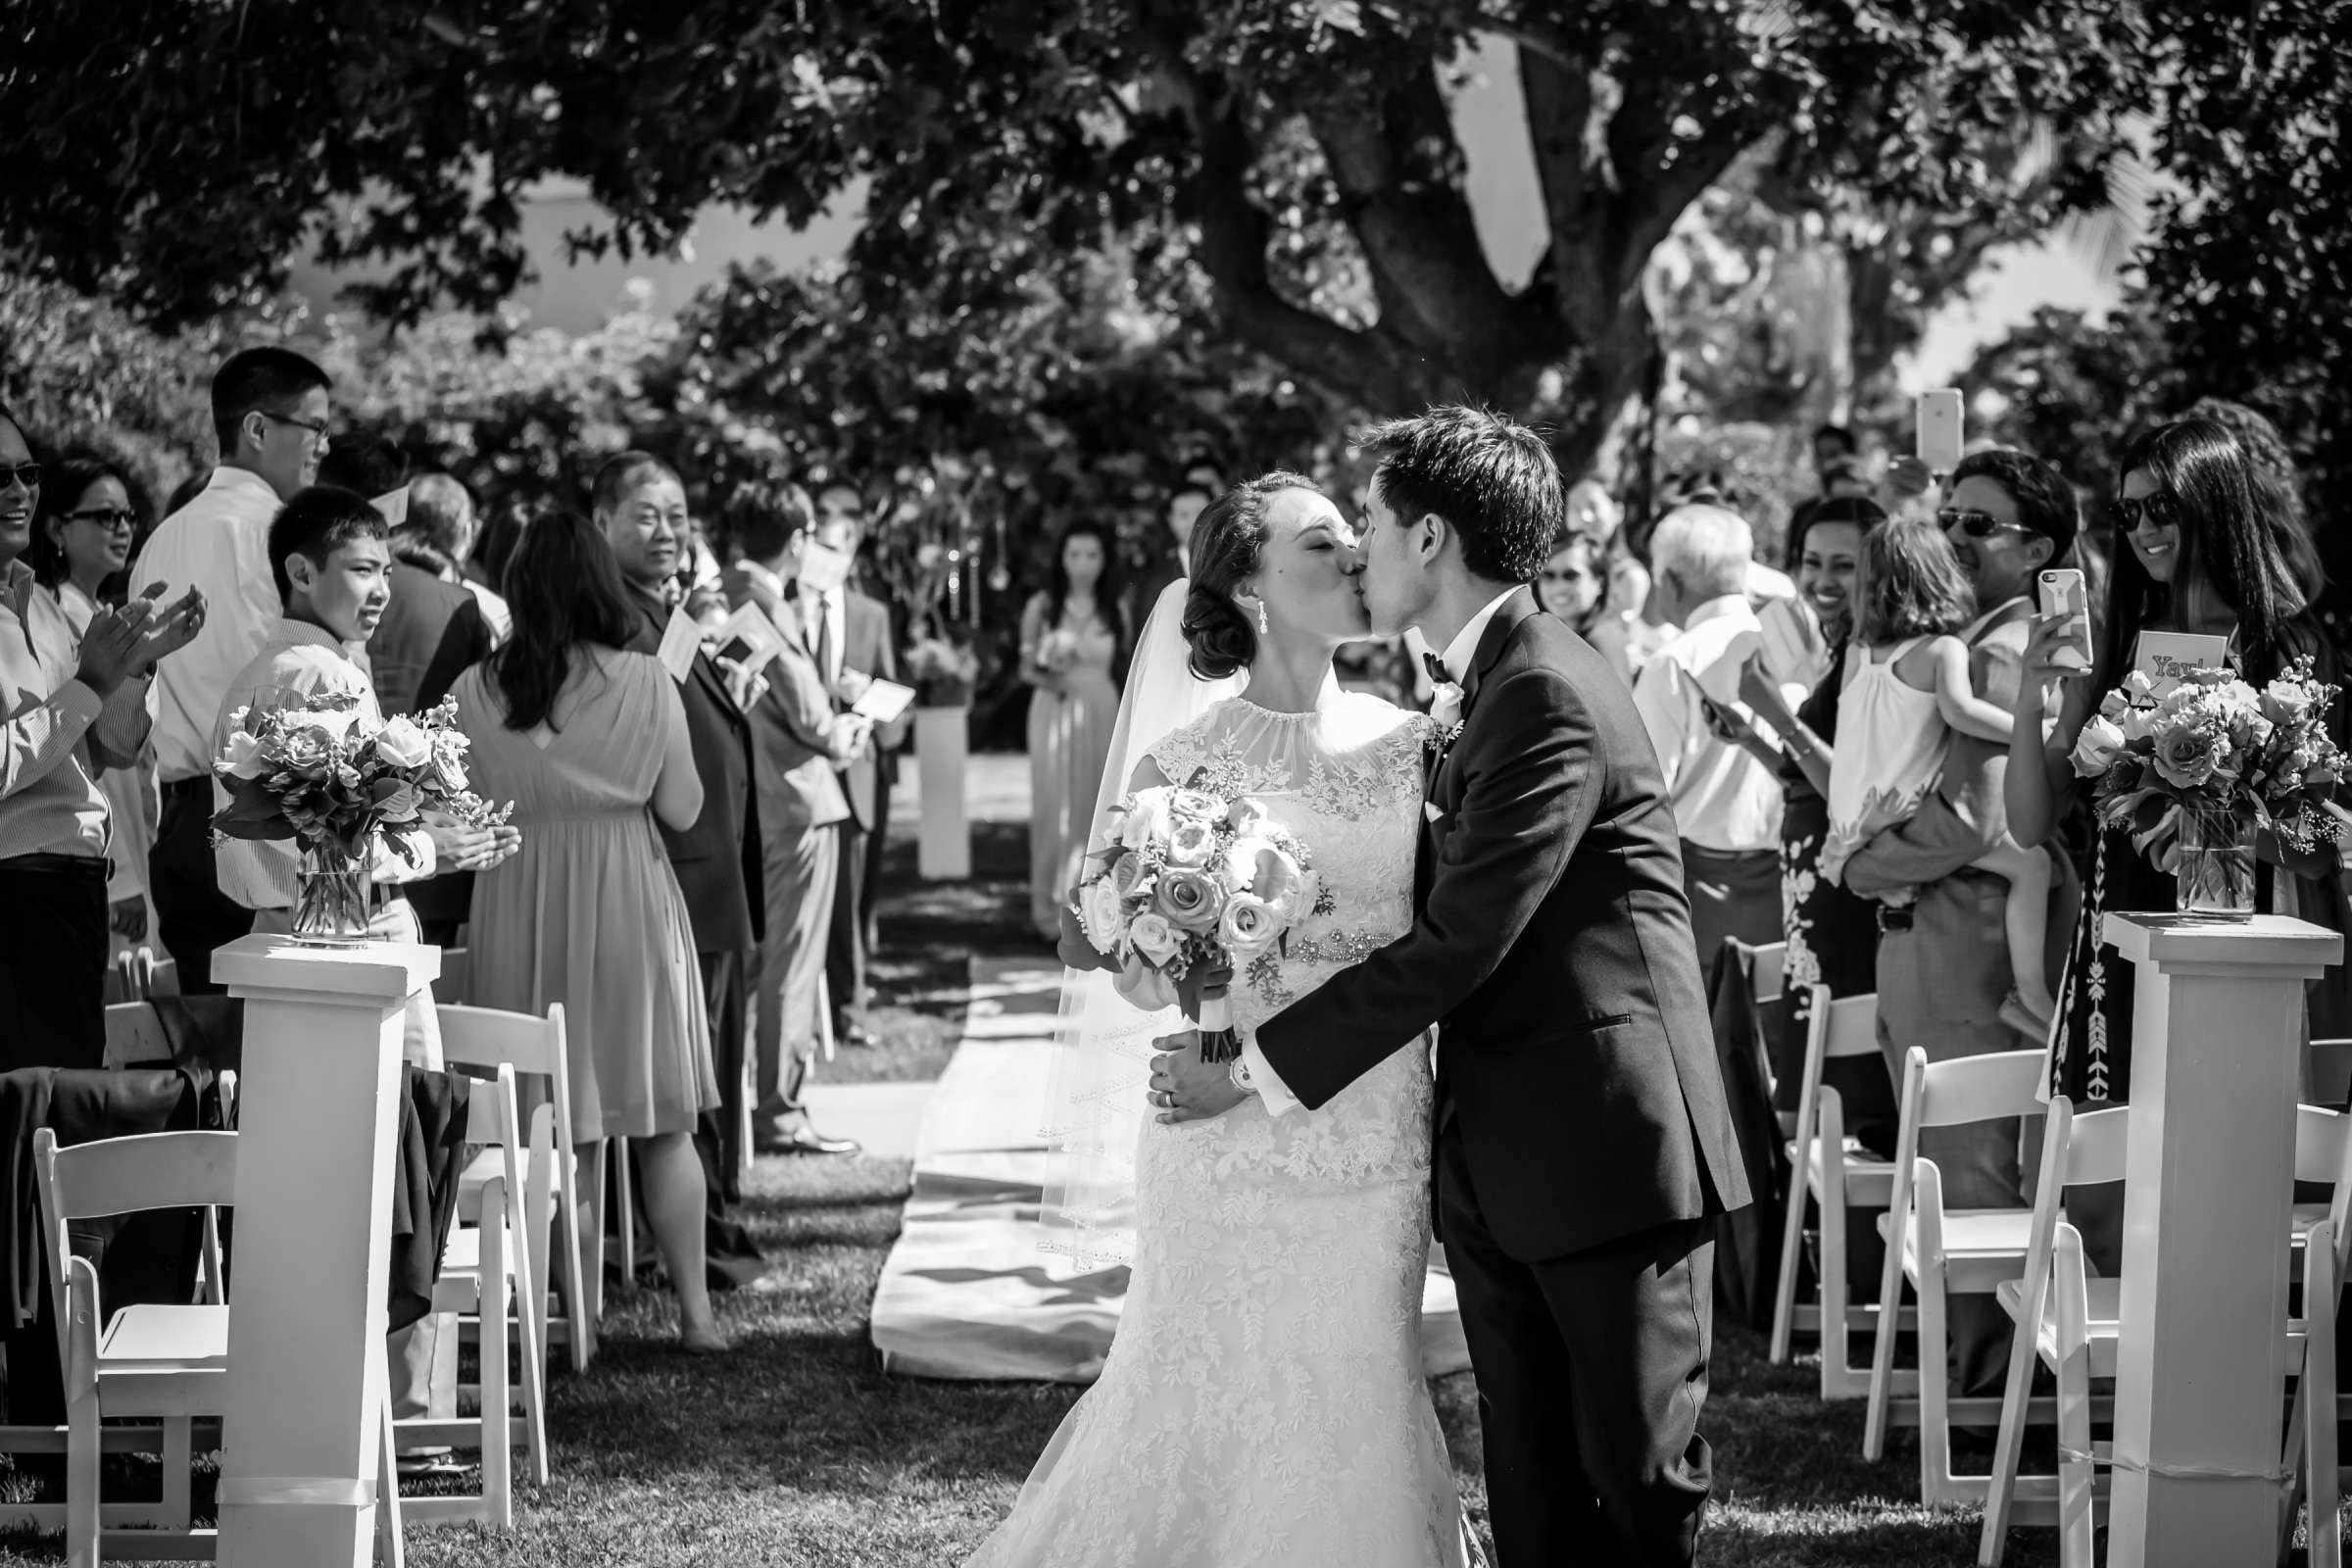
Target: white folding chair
(484, 1272)
(2332, 1072)
(1836, 1172)
(482, 1039)
(2072, 1323)
(158, 1364)
(134, 1034)
(454, 983)
(1766, 967)
(1943, 1252)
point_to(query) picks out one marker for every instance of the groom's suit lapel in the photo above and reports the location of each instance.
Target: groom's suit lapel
(1443, 788)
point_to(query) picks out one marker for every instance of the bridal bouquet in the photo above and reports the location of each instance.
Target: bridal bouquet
(1194, 884)
(325, 775)
(2205, 764)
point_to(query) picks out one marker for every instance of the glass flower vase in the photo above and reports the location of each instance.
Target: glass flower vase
(330, 896)
(2216, 874)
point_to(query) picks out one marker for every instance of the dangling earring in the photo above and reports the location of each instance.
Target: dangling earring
(1261, 618)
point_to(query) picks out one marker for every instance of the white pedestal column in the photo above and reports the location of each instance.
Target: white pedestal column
(318, 1115)
(944, 851)
(2217, 1025)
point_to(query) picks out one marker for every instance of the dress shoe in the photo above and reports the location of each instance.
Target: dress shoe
(805, 1140)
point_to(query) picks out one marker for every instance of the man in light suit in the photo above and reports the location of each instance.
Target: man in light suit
(802, 742)
(847, 635)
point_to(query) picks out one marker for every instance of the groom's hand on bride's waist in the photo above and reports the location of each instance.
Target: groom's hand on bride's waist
(1184, 1088)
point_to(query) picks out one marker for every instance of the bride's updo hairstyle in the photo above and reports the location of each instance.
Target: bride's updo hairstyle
(1227, 542)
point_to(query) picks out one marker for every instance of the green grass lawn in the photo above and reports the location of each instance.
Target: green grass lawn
(796, 1449)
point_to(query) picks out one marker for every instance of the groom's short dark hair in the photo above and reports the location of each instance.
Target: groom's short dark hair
(1494, 481)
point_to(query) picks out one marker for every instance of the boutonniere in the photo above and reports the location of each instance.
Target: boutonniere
(1445, 707)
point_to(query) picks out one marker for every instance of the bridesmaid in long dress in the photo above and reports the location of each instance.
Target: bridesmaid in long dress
(1073, 646)
(590, 744)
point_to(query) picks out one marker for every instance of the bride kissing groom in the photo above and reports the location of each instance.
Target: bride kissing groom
(1507, 873)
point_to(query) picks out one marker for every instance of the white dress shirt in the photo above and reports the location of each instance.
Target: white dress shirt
(1456, 659)
(220, 543)
(297, 661)
(1723, 798)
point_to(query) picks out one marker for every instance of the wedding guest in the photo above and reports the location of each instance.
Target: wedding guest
(803, 745)
(1726, 804)
(1943, 959)
(2277, 487)
(841, 507)
(592, 740)
(271, 410)
(1074, 642)
(1578, 587)
(2203, 556)
(1169, 561)
(429, 629)
(70, 701)
(848, 636)
(93, 513)
(1831, 932)
(441, 512)
(641, 512)
(485, 569)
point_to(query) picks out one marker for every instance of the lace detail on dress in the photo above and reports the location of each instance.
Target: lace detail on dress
(1262, 1402)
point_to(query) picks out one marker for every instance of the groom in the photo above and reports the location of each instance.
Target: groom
(1583, 1147)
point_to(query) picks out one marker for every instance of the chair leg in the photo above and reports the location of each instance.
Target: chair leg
(391, 1543)
(1936, 1487)
(1792, 1242)
(498, 1457)
(2016, 1397)
(2317, 1394)
(82, 1480)
(530, 1290)
(2076, 1517)
(1837, 1368)
(1881, 1345)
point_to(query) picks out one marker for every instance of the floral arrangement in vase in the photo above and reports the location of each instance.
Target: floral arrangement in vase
(335, 779)
(942, 669)
(1195, 883)
(2193, 773)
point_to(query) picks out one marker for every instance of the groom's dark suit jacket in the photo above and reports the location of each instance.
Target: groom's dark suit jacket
(1553, 952)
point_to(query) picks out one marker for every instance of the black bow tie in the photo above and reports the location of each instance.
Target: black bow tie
(1437, 670)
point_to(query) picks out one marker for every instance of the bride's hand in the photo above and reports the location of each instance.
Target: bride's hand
(1184, 1088)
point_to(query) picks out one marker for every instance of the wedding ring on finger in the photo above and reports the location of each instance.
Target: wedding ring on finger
(1163, 1099)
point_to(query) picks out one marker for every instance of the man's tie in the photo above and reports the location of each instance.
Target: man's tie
(822, 643)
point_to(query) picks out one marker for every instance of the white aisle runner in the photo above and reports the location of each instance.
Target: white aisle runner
(965, 1293)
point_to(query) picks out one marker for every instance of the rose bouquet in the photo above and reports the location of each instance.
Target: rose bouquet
(1057, 651)
(942, 670)
(2193, 773)
(1195, 884)
(323, 774)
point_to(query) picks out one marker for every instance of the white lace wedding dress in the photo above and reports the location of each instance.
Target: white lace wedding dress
(1262, 1405)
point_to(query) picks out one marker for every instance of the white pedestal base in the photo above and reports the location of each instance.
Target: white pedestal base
(943, 851)
(2216, 1030)
(318, 1112)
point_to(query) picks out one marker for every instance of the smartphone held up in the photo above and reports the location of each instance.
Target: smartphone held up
(1938, 419)
(2062, 593)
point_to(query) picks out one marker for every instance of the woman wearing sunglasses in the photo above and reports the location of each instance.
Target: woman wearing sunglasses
(2195, 552)
(92, 518)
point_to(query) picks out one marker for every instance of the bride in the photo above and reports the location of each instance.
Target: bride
(1262, 1402)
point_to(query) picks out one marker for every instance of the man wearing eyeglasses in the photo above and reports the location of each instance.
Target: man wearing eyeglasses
(269, 412)
(1944, 955)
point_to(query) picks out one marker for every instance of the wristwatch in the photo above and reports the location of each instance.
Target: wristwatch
(1239, 1072)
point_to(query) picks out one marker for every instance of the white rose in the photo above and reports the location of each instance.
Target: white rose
(1189, 842)
(1247, 818)
(2100, 744)
(243, 756)
(403, 744)
(1247, 927)
(1099, 913)
(1153, 937)
(1146, 821)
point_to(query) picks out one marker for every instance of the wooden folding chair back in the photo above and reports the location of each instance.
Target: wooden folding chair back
(2332, 1072)
(1766, 967)
(454, 983)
